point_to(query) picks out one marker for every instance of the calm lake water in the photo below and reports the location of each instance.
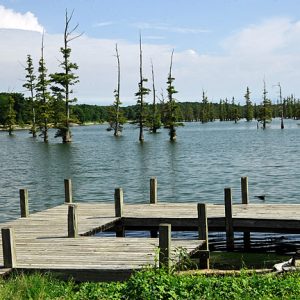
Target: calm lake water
(204, 160)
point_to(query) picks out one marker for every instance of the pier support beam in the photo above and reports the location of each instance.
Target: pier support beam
(119, 200)
(68, 191)
(245, 200)
(203, 235)
(72, 221)
(24, 203)
(228, 219)
(164, 245)
(9, 247)
(153, 200)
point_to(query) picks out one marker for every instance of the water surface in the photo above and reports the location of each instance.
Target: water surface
(204, 160)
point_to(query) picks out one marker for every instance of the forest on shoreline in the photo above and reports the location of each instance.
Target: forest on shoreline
(18, 105)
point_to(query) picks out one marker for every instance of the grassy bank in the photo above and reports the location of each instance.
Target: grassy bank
(154, 284)
(158, 284)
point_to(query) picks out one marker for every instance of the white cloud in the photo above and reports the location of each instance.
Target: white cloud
(170, 28)
(103, 24)
(270, 49)
(10, 19)
(271, 36)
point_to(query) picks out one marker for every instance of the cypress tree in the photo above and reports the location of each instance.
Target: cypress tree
(172, 107)
(43, 96)
(30, 85)
(63, 81)
(117, 118)
(249, 106)
(265, 111)
(154, 116)
(142, 92)
(10, 118)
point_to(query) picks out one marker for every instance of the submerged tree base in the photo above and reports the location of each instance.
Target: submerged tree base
(67, 137)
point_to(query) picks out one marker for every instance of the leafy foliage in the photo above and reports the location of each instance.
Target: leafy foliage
(43, 97)
(30, 85)
(171, 105)
(64, 80)
(265, 111)
(156, 284)
(249, 106)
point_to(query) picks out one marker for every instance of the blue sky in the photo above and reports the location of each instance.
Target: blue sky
(221, 46)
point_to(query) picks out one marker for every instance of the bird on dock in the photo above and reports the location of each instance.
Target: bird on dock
(261, 197)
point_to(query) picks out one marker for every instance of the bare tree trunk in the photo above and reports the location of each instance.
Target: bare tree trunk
(154, 129)
(117, 124)
(141, 121)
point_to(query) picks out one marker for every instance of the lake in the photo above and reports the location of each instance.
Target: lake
(204, 160)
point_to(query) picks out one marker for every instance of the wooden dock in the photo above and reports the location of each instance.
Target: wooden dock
(61, 239)
(42, 244)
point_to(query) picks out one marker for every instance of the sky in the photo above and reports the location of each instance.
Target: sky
(220, 46)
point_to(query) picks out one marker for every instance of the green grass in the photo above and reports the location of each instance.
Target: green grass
(156, 284)
(239, 260)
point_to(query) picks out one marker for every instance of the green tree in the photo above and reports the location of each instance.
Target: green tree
(265, 111)
(154, 116)
(204, 108)
(117, 116)
(142, 92)
(63, 81)
(43, 97)
(235, 111)
(10, 115)
(249, 106)
(172, 107)
(30, 85)
(221, 110)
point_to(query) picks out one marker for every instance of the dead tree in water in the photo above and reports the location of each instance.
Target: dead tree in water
(142, 92)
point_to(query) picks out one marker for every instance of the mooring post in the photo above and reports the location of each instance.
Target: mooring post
(245, 200)
(9, 247)
(153, 200)
(203, 235)
(153, 190)
(24, 203)
(120, 230)
(228, 219)
(68, 191)
(244, 190)
(118, 202)
(164, 245)
(72, 221)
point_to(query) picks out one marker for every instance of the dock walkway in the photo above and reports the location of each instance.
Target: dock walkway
(42, 243)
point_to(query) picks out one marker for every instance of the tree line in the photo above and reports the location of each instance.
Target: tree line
(16, 110)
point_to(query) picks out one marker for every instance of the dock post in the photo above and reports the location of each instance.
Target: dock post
(164, 246)
(24, 203)
(245, 200)
(228, 219)
(120, 230)
(72, 221)
(203, 235)
(244, 190)
(118, 202)
(153, 190)
(68, 191)
(153, 200)
(9, 247)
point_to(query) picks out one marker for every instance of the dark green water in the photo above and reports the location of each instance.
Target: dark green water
(204, 160)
